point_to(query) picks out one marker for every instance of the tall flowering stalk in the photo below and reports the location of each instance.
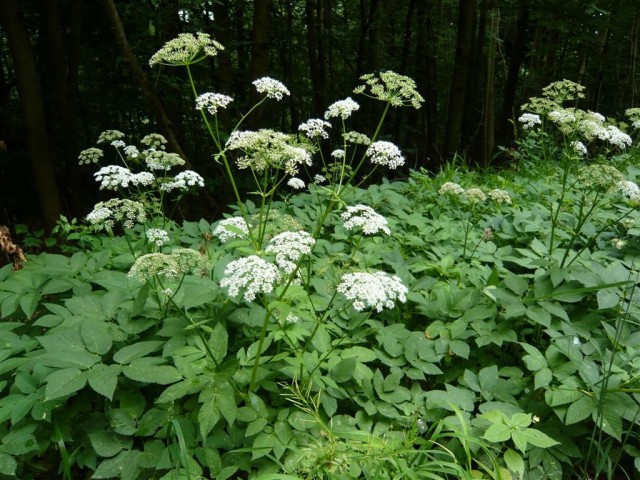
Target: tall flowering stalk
(272, 262)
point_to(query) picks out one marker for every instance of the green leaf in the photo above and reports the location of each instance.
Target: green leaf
(514, 462)
(542, 378)
(103, 379)
(579, 410)
(226, 403)
(534, 360)
(534, 437)
(607, 298)
(256, 426)
(29, 303)
(8, 464)
(108, 444)
(218, 342)
(539, 315)
(344, 369)
(521, 420)
(124, 466)
(516, 283)
(64, 382)
(497, 433)
(96, 336)
(144, 371)
(137, 350)
(208, 415)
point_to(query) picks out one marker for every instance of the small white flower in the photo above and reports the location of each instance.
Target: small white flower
(113, 177)
(131, 151)
(474, 195)
(296, 183)
(385, 154)
(289, 247)
(366, 218)
(618, 138)
(161, 160)
(230, 228)
(628, 188)
(157, 236)
(253, 274)
(212, 102)
(357, 138)
(118, 144)
(315, 127)
(99, 215)
(185, 49)
(372, 290)
(450, 188)
(154, 141)
(142, 178)
(529, 120)
(341, 108)
(618, 243)
(183, 181)
(319, 179)
(338, 154)
(500, 196)
(273, 88)
(579, 148)
(109, 135)
(90, 155)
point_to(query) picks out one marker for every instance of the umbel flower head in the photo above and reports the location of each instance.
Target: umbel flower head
(230, 228)
(253, 274)
(181, 261)
(450, 188)
(389, 86)
(128, 212)
(90, 155)
(289, 247)
(385, 154)
(212, 102)
(315, 127)
(365, 218)
(599, 177)
(341, 108)
(372, 290)
(529, 120)
(273, 88)
(186, 49)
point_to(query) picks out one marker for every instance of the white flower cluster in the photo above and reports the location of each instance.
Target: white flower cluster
(131, 151)
(230, 228)
(273, 88)
(450, 188)
(372, 290)
(212, 102)
(253, 274)
(183, 181)
(365, 218)
(109, 136)
(338, 154)
(113, 177)
(315, 127)
(154, 141)
(579, 148)
(267, 148)
(618, 243)
(385, 154)
(180, 262)
(618, 138)
(90, 155)
(319, 179)
(157, 236)
(628, 188)
(500, 196)
(474, 195)
(599, 177)
(105, 214)
(341, 108)
(118, 144)
(296, 183)
(389, 86)
(289, 247)
(592, 128)
(185, 49)
(529, 120)
(357, 138)
(161, 160)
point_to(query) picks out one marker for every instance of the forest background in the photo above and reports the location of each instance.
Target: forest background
(70, 69)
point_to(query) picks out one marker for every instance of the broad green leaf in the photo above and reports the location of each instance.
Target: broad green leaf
(64, 382)
(8, 464)
(123, 466)
(344, 370)
(521, 420)
(226, 403)
(579, 410)
(539, 315)
(137, 350)
(497, 433)
(143, 371)
(218, 342)
(534, 360)
(263, 444)
(108, 444)
(96, 336)
(208, 415)
(607, 298)
(516, 283)
(542, 378)
(514, 462)
(535, 437)
(103, 379)
(256, 427)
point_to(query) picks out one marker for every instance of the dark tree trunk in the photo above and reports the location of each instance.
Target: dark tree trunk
(31, 100)
(489, 124)
(314, 49)
(461, 70)
(259, 66)
(518, 50)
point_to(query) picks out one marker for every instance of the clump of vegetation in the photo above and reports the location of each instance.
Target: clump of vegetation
(447, 327)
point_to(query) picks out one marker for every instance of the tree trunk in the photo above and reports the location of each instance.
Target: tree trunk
(518, 49)
(489, 124)
(31, 100)
(137, 72)
(316, 68)
(461, 69)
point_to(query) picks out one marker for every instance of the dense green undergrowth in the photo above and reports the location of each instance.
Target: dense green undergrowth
(467, 325)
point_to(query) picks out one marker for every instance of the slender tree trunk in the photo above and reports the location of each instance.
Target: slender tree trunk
(316, 68)
(32, 102)
(259, 66)
(158, 109)
(633, 58)
(489, 124)
(518, 50)
(461, 69)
